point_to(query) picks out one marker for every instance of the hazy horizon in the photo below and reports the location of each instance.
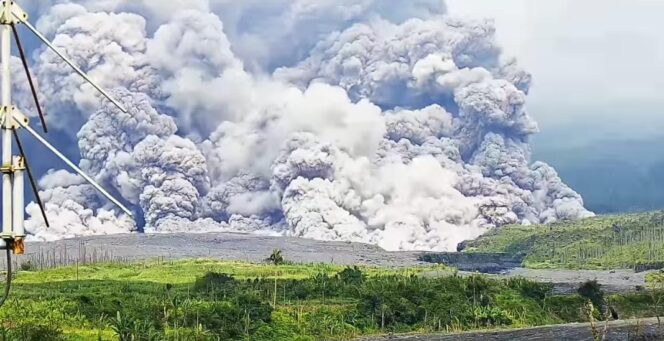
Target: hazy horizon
(597, 69)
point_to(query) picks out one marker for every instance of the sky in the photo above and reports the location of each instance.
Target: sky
(596, 94)
(593, 61)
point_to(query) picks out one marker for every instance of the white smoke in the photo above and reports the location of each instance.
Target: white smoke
(376, 121)
(73, 209)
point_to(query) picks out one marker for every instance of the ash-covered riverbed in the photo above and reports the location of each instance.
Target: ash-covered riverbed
(255, 248)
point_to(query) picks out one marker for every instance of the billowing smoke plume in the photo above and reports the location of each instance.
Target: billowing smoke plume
(376, 121)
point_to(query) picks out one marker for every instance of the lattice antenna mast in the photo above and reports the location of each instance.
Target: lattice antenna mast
(14, 167)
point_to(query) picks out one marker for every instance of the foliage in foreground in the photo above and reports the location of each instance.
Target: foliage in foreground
(220, 301)
(622, 241)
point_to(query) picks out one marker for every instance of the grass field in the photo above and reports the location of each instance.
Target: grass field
(622, 241)
(216, 300)
(58, 299)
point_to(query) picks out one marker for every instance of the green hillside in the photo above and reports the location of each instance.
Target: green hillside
(620, 241)
(214, 300)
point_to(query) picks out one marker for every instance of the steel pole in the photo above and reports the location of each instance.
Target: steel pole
(19, 198)
(5, 55)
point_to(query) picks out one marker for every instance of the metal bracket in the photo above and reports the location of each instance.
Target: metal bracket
(14, 243)
(6, 169)
(14, 15)
(16, 114)
(19, 163)
(18, 247)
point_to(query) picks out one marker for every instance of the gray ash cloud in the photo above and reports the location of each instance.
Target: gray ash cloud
(334, 120)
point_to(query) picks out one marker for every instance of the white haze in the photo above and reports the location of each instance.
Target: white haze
(386, 122)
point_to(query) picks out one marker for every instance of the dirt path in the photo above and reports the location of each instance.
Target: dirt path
(646, 329)
(568, 281)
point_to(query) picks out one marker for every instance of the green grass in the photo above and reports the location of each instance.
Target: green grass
(80, 301)
(620, 241)
(191, 300)
(186, 271)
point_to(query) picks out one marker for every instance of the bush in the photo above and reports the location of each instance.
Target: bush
(567, 308)
(27, 266)
(491, 316)
(213, 281)
(534, 290)
(276, 258)
(592, 291)
(128, 329)
(351, 276)
(122, 327)
(189, 334)
(31, 332)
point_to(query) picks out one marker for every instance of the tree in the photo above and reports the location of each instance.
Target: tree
(351, 276)
(592, 291)
(276, 258)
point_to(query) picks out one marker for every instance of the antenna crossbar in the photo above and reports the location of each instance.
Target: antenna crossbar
(74, 167)
(67, 60)
(13, 167)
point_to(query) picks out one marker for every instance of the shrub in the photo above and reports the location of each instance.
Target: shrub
(351, 276)
(491, 316)
(122, 327)
(189, 334)
(276, 258)
(214, 281)
(28, 266)
(532, 289)
(233, 318)
(31, 332)
(592, 291)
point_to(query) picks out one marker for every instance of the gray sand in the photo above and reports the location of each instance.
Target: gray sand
(255, 248)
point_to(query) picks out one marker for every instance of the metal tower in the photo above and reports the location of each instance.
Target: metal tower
(14, 167)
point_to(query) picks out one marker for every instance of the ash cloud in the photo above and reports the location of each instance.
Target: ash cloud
(385, 122)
